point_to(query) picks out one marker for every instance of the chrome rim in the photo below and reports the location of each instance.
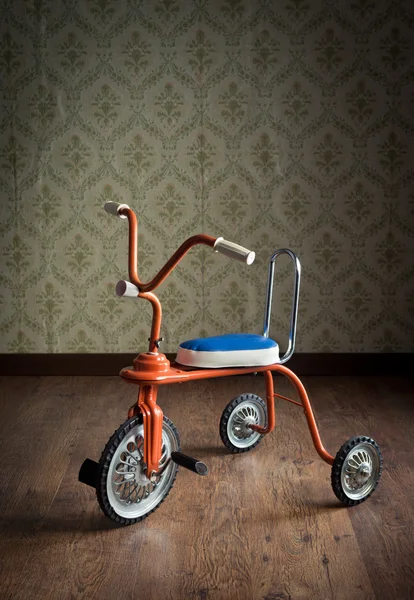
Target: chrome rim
(360, 471)
(244, 414)
(130, 493)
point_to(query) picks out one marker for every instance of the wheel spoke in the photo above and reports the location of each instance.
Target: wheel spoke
(124, 473)
(131, 492)
(124, 462)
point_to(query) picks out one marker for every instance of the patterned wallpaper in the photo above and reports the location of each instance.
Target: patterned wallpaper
(271, 123)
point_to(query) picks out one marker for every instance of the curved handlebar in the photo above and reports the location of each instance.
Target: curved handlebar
(136, 288)
(113, 208)
(219, 244)
(233, 250)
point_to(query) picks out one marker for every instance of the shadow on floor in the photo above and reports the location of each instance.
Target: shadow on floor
(205, 450)
(29, 527)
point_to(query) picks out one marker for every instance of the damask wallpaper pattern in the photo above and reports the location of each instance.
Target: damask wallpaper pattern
(271, 123)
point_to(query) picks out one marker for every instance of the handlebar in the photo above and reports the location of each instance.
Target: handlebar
(136, 288)
(218, 244)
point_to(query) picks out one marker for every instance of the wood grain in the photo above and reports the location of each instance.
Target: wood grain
(263, 525)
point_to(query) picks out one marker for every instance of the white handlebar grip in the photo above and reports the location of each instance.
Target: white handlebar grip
(113, 208)
(126, 289)
(234, 251)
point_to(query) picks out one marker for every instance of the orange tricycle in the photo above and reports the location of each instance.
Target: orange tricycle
(139, 463)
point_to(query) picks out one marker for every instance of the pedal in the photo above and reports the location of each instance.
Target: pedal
(88, 473)
(192, 464)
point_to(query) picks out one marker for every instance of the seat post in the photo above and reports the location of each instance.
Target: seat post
(295, 300)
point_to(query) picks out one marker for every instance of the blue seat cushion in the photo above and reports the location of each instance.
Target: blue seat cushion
(230, 350)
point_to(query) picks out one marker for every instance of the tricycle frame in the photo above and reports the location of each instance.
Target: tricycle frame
(150, 371)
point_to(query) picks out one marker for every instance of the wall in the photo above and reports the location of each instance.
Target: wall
(270, 123)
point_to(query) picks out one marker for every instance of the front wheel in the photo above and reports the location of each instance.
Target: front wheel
(124, 493)
(356, 470)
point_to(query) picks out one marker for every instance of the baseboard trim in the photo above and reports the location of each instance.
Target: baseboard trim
(301, 363)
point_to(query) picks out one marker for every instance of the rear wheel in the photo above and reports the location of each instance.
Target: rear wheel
(356, 470)
(245, 410)
(124, 493)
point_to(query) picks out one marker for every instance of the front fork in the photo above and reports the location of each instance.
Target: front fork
(153, 419)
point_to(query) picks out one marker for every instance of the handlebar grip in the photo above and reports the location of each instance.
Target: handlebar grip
(113, 208)
(234, 251)
(127, 289)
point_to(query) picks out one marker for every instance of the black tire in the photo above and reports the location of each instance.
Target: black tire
(110, 509)
(227, 434)
(367, 447)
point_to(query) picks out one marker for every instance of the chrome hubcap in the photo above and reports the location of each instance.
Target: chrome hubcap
(243, 418)
(363, 473)
(245, 414)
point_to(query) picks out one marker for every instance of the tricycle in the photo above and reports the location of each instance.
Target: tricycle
(139, 463)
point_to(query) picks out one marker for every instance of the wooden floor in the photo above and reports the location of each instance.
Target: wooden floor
(262, 525)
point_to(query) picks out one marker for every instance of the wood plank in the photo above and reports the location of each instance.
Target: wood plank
(385, 521)
(36, 448)
(15, 393)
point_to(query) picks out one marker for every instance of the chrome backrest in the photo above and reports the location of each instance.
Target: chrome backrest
(295, 300)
